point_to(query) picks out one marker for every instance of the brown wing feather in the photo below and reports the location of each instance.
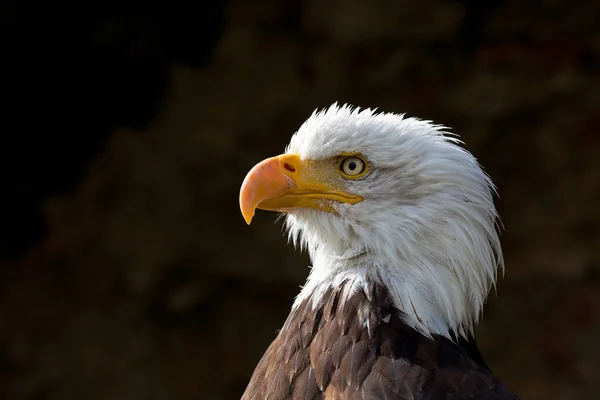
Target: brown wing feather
(358, 347)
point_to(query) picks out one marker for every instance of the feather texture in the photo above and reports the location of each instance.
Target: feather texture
(337, 358)
(427, 222)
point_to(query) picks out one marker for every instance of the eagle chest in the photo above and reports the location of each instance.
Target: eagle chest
(359, 348)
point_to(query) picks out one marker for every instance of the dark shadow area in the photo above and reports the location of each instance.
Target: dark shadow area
(71, 74)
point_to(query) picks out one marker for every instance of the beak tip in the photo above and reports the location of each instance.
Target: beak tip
(247, 210)
(246, 206)
(266, 180)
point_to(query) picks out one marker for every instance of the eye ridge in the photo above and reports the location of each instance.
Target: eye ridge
(353, 166)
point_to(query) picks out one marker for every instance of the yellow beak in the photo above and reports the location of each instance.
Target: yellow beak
(286, 182)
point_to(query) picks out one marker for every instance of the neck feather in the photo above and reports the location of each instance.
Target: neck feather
(437, 295)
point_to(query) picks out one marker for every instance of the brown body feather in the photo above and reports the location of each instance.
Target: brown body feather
(331, 352)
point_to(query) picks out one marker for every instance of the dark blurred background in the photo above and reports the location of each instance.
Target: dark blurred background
(126, 269)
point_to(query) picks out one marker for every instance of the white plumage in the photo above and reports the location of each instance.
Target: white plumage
(426, 228)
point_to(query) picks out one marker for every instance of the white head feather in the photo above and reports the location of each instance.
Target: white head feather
(426, 228)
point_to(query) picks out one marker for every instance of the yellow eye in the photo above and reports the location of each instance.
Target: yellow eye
(353, 166)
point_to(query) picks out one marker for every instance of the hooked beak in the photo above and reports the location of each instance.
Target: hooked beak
(287, 182)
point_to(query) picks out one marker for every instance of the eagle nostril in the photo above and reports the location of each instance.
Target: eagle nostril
(289, 167)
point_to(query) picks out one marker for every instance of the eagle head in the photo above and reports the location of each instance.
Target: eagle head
(379, 196)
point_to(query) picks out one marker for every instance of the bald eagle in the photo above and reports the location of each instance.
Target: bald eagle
(401, 228)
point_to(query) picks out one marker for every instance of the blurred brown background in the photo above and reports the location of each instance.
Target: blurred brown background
(127, 271)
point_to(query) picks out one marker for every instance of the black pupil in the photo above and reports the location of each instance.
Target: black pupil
(352, 166)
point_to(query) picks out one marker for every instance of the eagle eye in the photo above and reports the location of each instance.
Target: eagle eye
(353, 167)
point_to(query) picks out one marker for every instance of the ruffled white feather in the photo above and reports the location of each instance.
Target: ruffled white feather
(426, 228)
